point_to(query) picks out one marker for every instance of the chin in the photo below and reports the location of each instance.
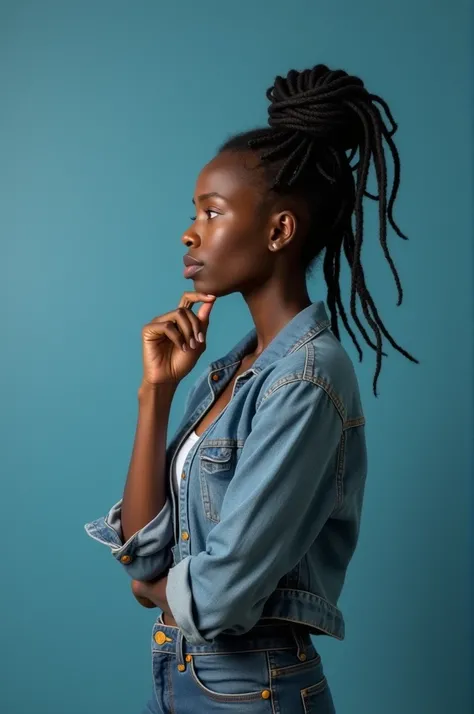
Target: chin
(202, 286)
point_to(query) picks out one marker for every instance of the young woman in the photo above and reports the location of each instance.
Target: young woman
(242, 528)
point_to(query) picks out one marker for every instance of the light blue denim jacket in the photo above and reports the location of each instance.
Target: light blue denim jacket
(270, 496)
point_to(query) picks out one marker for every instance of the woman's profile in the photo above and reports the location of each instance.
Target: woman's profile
(242, 527)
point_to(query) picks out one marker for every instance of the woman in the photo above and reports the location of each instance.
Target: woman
(242, 528)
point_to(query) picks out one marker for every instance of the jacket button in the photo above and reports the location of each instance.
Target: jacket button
(266, 694)
(125, 559)
(183, 475)
(185, 535)
(302, 656)
(181, 667)
(160, 638)
(215, 377)
(188, 658)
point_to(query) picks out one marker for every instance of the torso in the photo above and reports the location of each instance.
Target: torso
(218, 406)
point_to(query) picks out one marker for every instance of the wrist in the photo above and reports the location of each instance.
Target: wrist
(161, 390)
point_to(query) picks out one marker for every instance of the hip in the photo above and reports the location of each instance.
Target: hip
(274, 668)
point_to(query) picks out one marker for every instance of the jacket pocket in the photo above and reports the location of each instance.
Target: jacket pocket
(216, 468)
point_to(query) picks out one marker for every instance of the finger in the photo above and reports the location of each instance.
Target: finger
(189, 325)
(172, 331)
(204, 312)
(195, 323)
(190, 298)
(187, 301)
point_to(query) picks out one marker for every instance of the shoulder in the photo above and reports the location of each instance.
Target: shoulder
(320, 364)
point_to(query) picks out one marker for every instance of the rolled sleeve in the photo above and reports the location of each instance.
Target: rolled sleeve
(282, 493)
(147, 553)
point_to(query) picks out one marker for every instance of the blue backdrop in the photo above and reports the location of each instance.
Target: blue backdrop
(109, 110)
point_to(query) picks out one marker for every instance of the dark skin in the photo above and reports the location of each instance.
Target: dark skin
(250, 243)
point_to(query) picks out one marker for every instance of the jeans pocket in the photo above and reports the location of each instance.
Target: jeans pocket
(299, 685)
(285, 662)
(233, 677)
(317, 698)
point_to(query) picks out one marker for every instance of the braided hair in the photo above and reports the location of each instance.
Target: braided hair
(320, 120)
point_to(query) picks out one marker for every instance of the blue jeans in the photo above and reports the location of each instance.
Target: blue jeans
(273, 668)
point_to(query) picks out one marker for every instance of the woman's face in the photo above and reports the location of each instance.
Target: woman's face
(231, 230)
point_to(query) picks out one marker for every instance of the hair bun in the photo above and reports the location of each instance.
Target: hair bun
(317, 102)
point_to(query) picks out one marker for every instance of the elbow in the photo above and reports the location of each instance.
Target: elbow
(148, 567)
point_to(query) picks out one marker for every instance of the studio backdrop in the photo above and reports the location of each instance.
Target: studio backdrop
(109, 110)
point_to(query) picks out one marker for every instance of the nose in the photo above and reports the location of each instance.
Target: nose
(190, 237)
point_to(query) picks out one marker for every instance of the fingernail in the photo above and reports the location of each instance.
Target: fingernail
(200, 337)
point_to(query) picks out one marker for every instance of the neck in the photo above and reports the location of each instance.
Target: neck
(272, 306)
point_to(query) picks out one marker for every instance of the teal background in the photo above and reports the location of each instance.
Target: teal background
(109, 110)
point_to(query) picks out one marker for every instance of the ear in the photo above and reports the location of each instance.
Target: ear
(283, 229)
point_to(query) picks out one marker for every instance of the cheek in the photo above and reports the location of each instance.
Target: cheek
(237, 239)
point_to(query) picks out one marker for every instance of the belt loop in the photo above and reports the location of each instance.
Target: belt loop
(179, 648)
(300, 644)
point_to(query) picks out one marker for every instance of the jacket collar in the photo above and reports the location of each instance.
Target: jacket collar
(305, 325)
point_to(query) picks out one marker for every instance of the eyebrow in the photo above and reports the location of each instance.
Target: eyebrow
(212, 194)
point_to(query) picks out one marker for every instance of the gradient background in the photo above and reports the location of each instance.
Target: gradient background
(108, 112)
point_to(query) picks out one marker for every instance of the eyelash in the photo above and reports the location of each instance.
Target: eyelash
(209, 210)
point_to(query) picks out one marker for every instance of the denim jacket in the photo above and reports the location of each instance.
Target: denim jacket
(270, 497)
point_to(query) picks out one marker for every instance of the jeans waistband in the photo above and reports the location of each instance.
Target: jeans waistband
(166, 638)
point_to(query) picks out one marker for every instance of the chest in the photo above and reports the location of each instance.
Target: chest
(222, 400)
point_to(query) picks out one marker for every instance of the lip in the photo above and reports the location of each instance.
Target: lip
(189, 260)
(191, 270)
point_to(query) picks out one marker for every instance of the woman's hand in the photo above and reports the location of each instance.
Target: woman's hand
(168, 354)
(151, 593)
(144, 601)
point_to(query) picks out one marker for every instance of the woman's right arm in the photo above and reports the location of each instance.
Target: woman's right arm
(145, 489)
(139, 528)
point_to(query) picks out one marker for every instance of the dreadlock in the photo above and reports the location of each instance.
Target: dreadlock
(320, 120)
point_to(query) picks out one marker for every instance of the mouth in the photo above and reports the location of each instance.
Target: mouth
(191, 270)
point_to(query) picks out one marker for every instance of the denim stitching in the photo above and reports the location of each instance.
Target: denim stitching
(339, 471)
(352, 423)
(317, 381)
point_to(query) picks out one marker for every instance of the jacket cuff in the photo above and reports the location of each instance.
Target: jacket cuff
(147, 553)
(180, 601)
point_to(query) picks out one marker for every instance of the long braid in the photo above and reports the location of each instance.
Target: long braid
(319, 121)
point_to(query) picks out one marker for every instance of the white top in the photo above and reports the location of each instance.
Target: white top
(181, 455)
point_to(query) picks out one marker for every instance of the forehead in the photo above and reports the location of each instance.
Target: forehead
(232, 174)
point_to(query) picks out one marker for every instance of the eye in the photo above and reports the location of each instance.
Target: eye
(207, 212)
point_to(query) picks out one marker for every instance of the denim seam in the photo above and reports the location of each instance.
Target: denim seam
(310, 335)
(293, 619)
(353, 423)
(317, 381)
(270, 680)
(340, 471)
